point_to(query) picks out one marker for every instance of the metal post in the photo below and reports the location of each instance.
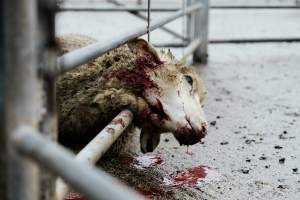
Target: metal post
(48, 125)
(189, 18)
(22, 105)
(201, 31)
(2, 122)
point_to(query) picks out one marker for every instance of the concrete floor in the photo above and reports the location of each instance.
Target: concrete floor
(253, 143)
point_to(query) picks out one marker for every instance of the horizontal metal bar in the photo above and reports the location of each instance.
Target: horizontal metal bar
(190, 49)
(96, 148)
(144, 9)
(141, 16)
(254, 7)
(91, 182)
(83, 55)
(170, 45)
(253, 40)
(114, 9)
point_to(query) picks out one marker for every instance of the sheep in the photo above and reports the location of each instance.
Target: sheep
(164, 94)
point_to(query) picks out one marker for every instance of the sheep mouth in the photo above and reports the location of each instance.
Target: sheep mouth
(189, 135)
(186, 136)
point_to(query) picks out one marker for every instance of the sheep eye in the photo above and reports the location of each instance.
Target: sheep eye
(189, 79)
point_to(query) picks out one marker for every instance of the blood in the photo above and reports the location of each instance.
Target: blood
(161, 110)
(151, 56)
(190, 177)
(75, 196)
(150, 193)
(178, 93)
(188, 151)
(119, 121)
(138, 77)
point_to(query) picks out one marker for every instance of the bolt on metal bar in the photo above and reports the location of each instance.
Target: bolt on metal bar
(80, 56)
(96, 148)
(91, 182)
(22, 100)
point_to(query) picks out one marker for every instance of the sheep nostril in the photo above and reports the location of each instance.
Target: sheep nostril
(204, 127)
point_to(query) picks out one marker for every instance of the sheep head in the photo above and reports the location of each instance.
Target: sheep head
(174, 94)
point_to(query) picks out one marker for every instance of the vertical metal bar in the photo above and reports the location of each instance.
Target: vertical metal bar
(201, 31)
(2, 122)
(21, 98)
(148, 19)
(189, 30)
(48, 58)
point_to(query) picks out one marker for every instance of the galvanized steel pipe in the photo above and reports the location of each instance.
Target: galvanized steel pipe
(91, 182)
(96, 148)
(80, 56)
(22, 104)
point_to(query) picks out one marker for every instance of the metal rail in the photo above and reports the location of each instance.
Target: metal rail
(78, 57)
(144, 9)
(254, 7)
(96, 148)
(254, 40)
(113, 9)
(88, 180)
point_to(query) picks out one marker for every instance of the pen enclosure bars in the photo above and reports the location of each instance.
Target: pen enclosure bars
(30, 158)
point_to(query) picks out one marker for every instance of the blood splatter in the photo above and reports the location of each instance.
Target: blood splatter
(151, 192)
(192, 177)
(188, 151)
(138, 77)
(119, 121)
(74, 196)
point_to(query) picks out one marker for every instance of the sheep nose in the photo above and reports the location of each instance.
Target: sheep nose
(204, 128)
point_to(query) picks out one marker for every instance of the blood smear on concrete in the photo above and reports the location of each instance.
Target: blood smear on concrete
(74, 196)
(192, 177)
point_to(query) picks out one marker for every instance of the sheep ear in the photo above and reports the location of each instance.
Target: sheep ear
(148, 141)
(140, 47)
